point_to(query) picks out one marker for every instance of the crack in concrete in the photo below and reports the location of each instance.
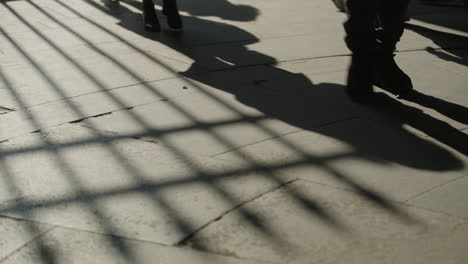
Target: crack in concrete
(460, 217)
(167, 57)
(185, 241)
(98, 130)
(433, 188)
(112, 236)
(6, 108)
(253, 143)
(100, 92)
(321, 126)
(152, 141)
(89, 117)
(27, 243)
(230, 255)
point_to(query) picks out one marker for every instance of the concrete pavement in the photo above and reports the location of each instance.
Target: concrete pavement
(230, 142)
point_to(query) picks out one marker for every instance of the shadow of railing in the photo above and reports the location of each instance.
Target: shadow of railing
(151, 190)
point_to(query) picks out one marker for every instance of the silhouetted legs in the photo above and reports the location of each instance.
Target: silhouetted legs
(389, 76)
(172, 12)
(169, 9)
(361, 40)
(149, 16)
(373, 29)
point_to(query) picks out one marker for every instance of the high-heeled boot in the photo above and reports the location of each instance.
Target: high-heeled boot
(150, 18)
(171, 10)
(388, 75)
(359, 81)
(361, 40)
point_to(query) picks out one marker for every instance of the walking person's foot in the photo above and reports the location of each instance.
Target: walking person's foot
(150, 18)
(152, 24)
(172, 12)
(390, 77)
(359, 82)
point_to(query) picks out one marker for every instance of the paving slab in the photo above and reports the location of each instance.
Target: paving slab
(85, 74)
(72, 246)
(234, 136)
(62, 74)
(449, 198)
(250, 48)
(233, 109)
(314, 224)
(124, 187)
(17, 233)
(59, 112)
(378, 157)
(198, 125)
(440, 83)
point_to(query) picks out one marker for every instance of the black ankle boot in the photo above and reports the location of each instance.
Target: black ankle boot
(150, 19)
(390, 77)
(172, 12)
(360, 76)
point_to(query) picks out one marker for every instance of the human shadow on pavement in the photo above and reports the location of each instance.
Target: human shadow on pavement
(455, 46)
(423, 122)
(220, 8)
(216, 58)
(209, 58)
(454, 17)
(454, 111)
(375, 132)
(277, 93)
(301, 103)
(295, 100)
(214, 8)
(217, 8)
(199, 175)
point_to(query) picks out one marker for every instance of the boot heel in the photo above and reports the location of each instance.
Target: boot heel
(389, 77)
(152, 25)
(172, 12)
(359, 81)
(150, 20)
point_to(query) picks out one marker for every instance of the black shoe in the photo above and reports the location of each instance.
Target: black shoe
(172, 12)
(390, 77)
(359, 83)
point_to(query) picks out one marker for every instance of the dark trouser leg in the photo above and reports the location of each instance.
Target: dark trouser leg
(361, 40)
(388, 75)
(360, 31)
(392, 16)
(149, 16)
(171, 10)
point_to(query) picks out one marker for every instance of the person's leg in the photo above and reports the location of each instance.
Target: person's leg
(392, 16)
(360, 31)
(149, 16)
(171, 10)
(388, 75)
(361, 40)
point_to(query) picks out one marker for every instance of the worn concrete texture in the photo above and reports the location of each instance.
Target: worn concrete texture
(231, 141)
